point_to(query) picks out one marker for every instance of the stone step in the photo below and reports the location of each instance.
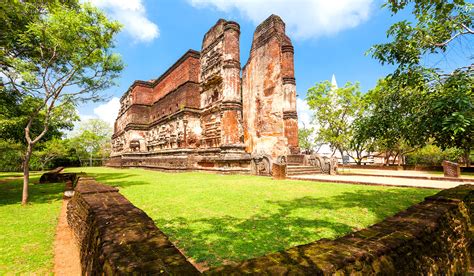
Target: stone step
(299, 169)
(303, 172)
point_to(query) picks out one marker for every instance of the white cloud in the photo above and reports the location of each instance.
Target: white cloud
(304, 113)
(108, 111)
(304, 18)
(132, 14)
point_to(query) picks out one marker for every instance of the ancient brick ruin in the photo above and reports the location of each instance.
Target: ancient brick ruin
(201, 114)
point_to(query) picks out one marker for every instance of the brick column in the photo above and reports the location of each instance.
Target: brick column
(231, 107)
(290, 116)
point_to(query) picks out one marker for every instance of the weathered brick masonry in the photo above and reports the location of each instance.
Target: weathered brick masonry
(117, 238)
(201, 114)
(432, 237)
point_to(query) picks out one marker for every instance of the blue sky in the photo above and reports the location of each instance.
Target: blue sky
(329, 37)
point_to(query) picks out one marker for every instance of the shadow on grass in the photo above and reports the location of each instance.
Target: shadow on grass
(215, 241)
(119, 180)
(10, 192)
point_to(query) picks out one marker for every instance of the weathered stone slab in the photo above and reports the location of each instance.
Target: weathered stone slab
(279, 171)
(451, 169)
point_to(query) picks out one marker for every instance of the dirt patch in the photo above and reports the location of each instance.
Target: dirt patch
(66, 252)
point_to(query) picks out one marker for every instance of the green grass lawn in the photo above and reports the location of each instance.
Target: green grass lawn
(217, 219)
(27, 232)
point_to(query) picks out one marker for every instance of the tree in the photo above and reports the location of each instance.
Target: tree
(51, 150)
(448, 101)
(15, 110)
(362, 143)
(67, 60)
(334, 111)
(305, 141)
(438, 24)
(395, 122)
(451, 112)
(93, 139)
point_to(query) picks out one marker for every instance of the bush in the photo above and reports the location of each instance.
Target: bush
(10, 156)
(432, 155)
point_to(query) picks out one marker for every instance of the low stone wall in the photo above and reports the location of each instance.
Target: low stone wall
(115, 237)
(55, 175)
(432, 237)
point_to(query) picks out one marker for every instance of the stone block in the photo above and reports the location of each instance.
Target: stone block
(279, 171)
(451, 169)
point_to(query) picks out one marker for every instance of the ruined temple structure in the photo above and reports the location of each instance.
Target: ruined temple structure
(206, 113)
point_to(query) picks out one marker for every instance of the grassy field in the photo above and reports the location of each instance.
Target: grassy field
(27, 232)
(395, 172)
(217, 219)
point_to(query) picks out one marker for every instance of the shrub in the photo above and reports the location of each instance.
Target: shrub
(432, 155)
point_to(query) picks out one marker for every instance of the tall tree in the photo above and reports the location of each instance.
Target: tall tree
(395, 122)
(67, 60)
(448, 100)
(451, 112)
(92, 139)
(51, 150)
(334, 111)
(305, 139)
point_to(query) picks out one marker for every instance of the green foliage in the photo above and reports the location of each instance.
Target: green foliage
(224, 218)
(451, 111)
(334, 111)
(60, 55)
(14, 115)
(305, 140)
(92, 140)
(436, 25)
(439, 105)
(50, 150)
(433, 155)
(11, 154)
(15, 17)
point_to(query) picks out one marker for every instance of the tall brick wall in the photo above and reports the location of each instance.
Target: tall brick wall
(269, 92)
(221, 99)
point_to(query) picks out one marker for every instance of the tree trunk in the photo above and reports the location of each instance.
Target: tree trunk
(359, 159)
(26, 175)
(341, 151)
(90, 160)
(467, 159)
(395, 158)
